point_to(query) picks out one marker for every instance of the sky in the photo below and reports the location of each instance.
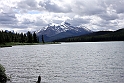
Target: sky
(32, 15)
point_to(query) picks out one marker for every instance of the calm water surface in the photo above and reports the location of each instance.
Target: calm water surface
(98, 62)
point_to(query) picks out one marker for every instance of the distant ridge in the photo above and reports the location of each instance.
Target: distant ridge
(117, 35)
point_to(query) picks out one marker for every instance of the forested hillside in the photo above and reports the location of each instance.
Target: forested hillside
(97, 36)
(8, 36)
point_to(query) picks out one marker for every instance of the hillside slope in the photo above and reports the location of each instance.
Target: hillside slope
(97, 36)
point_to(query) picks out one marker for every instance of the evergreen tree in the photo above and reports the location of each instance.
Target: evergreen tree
(35, 40)
(29, 35)
(1, 38)
(25, 38)
(43, 39)
(22, 38)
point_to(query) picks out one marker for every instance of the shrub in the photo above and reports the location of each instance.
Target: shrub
(3, 77)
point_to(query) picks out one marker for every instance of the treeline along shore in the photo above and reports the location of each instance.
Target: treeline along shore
(8, 38)
(117, 35)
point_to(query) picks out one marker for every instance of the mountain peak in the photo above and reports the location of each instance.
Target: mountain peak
(65, 23)
(62, 30)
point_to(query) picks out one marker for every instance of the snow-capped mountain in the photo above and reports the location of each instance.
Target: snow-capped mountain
(53, 32)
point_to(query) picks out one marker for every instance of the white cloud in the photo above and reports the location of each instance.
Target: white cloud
(23, 15)
(56, 6)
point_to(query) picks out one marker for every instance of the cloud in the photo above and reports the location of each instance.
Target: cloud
(78, 20)
(6, 18)
(27, 5)
(24, 15)
(88, 7)
(51, 6)
(117, 5)
(108, 17)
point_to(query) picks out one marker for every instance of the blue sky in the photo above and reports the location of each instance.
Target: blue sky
(32, 15)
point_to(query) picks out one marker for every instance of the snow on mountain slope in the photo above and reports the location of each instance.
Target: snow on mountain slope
(64, 28)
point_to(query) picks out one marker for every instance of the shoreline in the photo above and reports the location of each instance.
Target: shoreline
(17, 43)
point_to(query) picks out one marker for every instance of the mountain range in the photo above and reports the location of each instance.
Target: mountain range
(117, 35)
(53, 32)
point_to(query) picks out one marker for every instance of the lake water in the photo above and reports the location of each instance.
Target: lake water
(93, 62)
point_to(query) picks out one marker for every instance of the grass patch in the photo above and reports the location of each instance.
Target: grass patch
(10, 44)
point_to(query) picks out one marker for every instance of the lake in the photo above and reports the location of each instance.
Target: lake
(85, 62)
